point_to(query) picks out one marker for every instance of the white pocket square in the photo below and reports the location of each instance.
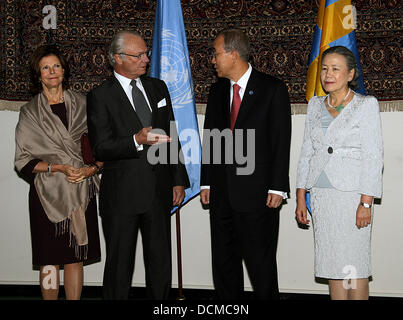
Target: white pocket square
(162, 103)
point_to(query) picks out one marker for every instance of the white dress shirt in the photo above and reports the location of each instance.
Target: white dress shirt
(242, 82)
(127, 88)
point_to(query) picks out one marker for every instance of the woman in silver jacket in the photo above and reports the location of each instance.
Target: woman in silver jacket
(341, 165)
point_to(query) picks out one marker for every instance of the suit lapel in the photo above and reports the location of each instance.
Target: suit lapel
(338, 125)
(151, 96)
(226, 107)
(124, 105)
(251, 94)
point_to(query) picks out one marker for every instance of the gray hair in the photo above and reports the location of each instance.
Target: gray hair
(118, 44)
(236, 40)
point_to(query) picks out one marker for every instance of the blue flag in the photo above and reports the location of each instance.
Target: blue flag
(170, 63)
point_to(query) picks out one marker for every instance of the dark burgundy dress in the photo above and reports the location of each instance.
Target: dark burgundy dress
(47, 248)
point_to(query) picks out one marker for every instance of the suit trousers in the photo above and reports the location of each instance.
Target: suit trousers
(121, 233)
(244, 236)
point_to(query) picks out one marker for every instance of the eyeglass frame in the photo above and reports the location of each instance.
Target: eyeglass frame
(215, 54)
(137, 56)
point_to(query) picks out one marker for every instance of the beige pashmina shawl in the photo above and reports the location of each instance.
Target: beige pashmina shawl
(40, 134)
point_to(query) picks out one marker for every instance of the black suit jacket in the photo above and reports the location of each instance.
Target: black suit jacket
(129, 182)
(265, 108)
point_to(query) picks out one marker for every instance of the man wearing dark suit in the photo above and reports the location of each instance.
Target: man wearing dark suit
(134, 195)
(244, 206)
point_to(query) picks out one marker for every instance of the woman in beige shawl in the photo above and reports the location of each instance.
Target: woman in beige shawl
(62, 205)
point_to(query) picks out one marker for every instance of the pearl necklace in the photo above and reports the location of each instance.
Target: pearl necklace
(340, 106)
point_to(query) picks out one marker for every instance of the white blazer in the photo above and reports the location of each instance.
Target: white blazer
(351, 151)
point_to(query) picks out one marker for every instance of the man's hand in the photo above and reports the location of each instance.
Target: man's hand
(274, 200)
(145, 136)
(205, 196)
(178, 195)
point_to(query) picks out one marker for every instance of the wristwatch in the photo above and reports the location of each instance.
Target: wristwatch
(366, 205)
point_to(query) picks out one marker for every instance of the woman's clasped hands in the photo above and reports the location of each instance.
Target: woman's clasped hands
(77, 175)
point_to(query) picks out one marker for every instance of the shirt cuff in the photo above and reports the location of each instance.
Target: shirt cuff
(204, 187)
(280, 193)
(139, 147)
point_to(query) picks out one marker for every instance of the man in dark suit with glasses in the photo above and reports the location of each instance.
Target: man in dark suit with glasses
(134, 194)
(244, 203)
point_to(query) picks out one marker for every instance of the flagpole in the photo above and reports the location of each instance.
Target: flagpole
(179, 255)
(170, 62)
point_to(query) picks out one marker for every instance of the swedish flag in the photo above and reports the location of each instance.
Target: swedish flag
(335, 26)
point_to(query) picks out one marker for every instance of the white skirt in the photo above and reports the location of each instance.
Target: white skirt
(342, 251)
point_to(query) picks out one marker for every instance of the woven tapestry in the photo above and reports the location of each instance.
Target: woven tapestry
(280, 31)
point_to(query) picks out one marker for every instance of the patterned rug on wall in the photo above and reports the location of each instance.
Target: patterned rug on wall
(281, 34)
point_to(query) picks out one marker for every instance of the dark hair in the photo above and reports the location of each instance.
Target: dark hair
(236, 40)
(351, 63)
(35, 73)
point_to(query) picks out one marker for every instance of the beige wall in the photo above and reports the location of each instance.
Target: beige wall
(295, 251)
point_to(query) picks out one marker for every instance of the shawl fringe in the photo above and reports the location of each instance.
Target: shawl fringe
(61, 228)
(80, 251)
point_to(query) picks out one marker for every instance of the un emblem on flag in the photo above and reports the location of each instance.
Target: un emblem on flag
(175, 69)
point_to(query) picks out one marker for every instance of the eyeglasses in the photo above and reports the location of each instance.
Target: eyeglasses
(137, 56)
(215, 54)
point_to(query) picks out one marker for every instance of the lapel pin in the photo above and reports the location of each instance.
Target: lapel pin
(250, 92)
